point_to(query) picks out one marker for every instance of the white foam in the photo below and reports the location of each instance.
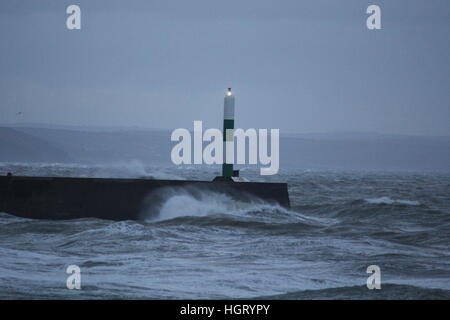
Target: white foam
(182, 202)
(387, 200)
(187, 205)
(179, 202)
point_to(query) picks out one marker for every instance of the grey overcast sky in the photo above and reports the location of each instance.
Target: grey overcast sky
(301, 66)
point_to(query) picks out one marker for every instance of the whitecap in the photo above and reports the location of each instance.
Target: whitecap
(387, 200)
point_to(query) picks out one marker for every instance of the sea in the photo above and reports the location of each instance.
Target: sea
(340, 225)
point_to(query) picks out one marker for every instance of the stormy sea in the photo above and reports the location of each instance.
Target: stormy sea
(208, 246)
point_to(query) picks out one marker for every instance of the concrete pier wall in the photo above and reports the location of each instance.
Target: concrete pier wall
(114, 199)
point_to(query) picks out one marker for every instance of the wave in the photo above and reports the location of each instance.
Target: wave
(174, 202)
(387, 200)
(232, 223)
(191, 202)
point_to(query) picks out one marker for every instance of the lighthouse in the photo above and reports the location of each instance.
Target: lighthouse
(228, 128)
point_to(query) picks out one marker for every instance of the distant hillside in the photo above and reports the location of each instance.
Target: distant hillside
(16, 146)
(347, 151)
(151, 146)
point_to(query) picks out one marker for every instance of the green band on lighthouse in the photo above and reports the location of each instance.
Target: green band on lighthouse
(227, 168)
(228, 124)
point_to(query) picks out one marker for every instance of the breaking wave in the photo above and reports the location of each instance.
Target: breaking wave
(170, 203)
(387, 200)
(193, 207)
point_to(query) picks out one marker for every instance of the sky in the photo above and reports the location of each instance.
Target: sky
(300, 66)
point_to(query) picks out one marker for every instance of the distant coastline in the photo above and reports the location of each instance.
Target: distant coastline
(327, 151)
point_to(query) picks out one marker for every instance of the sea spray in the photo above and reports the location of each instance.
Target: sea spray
(174, 202)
